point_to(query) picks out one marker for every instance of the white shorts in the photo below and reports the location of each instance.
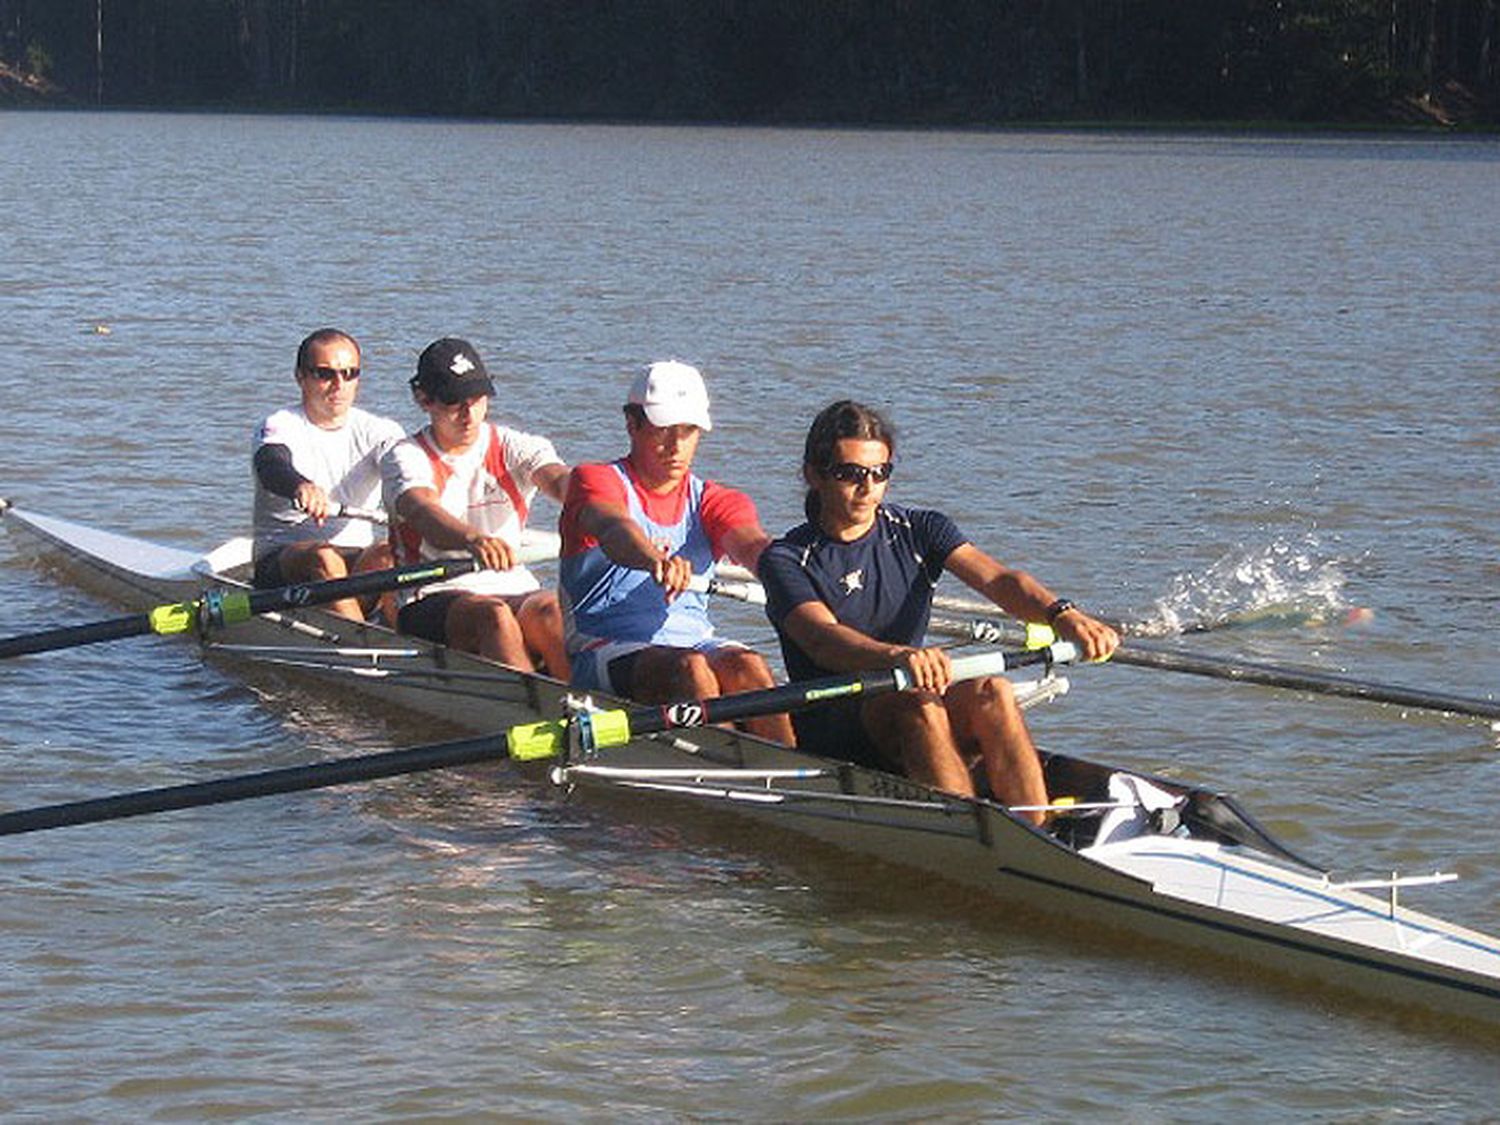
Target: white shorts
(591, 663)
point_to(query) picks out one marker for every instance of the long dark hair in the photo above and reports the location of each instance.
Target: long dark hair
(834, 423)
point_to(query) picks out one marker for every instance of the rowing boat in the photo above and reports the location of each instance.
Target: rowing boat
(1121, 850)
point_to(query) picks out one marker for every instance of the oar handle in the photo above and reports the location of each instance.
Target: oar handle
(369, 515)
(601, 729)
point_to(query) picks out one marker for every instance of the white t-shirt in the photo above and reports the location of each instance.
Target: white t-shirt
(489, 486)
(345, 463)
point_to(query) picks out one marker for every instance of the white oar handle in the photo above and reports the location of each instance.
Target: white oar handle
(998, 663)
(741, 590)
(369, 515)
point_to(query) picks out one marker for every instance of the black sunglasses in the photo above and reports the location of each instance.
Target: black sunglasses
(329, 374)
(846, 472)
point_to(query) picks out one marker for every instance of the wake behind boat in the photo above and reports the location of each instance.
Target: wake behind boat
(1122, 850)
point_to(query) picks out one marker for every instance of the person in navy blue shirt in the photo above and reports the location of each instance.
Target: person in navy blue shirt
(851, 589)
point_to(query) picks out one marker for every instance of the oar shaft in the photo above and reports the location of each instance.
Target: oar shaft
(1143, 654)
(370, 582)
(469, 751)
(72, 636)
(293, 779)
(226, 607)
(1322, 683)
(532, 741)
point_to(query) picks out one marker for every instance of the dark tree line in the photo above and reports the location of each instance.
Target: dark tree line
(895, 61)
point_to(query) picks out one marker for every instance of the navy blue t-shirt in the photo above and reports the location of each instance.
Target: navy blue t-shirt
(880, 584)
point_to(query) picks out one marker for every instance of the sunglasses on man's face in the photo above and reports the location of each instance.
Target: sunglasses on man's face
(329, 374)
(846, 472)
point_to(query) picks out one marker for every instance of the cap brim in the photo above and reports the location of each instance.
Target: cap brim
(461, 390)
(673, 415)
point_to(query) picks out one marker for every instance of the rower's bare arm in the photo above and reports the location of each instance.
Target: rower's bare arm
(624, 541)
(835, 646)
(1028, 599)
(745, 544)
(419, 508)
(552, 480)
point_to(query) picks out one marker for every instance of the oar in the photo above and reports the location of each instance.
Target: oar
(1146, 655)
(738, 583)
(369, 515)
(528, 741)
(226, 607)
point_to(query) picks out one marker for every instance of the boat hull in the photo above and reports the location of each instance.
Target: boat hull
(1196, 890)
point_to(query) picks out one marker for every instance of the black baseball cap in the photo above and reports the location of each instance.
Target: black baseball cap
(450, 370)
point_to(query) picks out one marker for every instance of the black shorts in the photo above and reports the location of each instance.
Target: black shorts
(427, 617)
(836, 730)
(268, 574)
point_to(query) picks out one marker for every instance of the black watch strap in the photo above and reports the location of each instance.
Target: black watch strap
(1057, 609)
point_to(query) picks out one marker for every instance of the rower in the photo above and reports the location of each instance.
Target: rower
(463, 485)
(313, 460)
(851, 589)
(634, 533)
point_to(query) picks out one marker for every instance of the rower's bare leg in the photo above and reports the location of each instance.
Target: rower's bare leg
(312, 561)
(377, 556)
(739, 669)
(540, 618)
(486, 625)
(985, 713)
(913, 728)
(661, 674)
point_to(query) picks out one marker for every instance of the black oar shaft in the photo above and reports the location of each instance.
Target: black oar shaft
(221, 607)
(1144, 654)
(72, 636)
(531, 741)
(370, 582)
(293, 779)
(786, 697)
(471, 751)
(1270, 675)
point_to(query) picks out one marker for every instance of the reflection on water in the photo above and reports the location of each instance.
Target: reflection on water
(1186, 373)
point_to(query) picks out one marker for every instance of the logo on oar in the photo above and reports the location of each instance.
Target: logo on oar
(685, 714)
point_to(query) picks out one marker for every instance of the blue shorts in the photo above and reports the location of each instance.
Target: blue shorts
(592, 663)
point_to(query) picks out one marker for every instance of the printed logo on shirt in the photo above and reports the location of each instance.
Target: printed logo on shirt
(854, 580)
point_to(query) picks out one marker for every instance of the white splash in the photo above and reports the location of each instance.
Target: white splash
(1283, 584)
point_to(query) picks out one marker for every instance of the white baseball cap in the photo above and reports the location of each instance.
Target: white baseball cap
(672, 394)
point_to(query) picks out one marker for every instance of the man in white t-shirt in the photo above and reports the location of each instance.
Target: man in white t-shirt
(463, 486)
(312, 460)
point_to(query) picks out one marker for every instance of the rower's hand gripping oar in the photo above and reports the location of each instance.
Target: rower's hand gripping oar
(219, 608)
(525, 742)
(602, 729)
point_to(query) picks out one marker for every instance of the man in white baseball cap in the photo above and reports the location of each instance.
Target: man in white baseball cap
(634, 533)
(670, 393)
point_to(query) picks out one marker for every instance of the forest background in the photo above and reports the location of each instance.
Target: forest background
(892, 62)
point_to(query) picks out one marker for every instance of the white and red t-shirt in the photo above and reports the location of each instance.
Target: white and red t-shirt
(489, 486)
(345, 463)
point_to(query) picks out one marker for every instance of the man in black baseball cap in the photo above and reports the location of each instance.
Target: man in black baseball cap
(451, 371)
(463, 485)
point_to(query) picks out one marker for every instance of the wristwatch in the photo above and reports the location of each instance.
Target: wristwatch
(1057, 609)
